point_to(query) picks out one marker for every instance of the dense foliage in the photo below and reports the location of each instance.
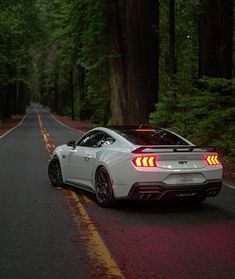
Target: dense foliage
(72, 58)
(19, 30)
(205, 114)
(200, 108)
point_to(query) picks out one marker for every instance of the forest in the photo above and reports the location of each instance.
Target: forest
(167, 63)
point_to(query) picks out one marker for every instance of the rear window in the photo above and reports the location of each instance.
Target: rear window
(151, 137)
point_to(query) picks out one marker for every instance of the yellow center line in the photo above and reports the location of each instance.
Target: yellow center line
(48, 141)
(87, 199)
(96, 248)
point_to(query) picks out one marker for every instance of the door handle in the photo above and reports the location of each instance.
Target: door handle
(87, 157)
(73, 150)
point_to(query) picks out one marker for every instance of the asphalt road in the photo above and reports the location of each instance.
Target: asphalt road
(43, 233)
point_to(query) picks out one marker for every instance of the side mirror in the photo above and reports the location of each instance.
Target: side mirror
(72, 143)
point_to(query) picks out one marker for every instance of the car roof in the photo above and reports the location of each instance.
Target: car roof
(122, 129)
(130, 127)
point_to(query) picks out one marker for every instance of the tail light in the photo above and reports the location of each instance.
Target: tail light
(145, 161)
(212, 160)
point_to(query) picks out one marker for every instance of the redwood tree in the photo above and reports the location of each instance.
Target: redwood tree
(117, 64)
(142, 20)
(215, 40)
(172, 58)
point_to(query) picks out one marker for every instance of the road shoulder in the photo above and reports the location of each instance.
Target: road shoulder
(83, 126)
(9, 124)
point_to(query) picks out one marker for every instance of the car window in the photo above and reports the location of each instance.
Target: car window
(91, 139)
(151, 137)
(96, 139)
(106, 140)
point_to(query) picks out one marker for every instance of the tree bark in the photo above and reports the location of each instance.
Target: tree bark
(215, 40)
(172, 57)
(55, 101)
(4, 105)
(82, 91)
(142, 59)
(72, 94)
(117, 63)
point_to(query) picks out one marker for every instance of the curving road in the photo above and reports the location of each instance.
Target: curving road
(54, 233)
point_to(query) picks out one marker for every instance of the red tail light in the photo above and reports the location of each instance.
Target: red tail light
(212, 160)
(145, 161)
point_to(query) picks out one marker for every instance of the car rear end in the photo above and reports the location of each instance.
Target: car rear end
(179, 172)
(167, 171)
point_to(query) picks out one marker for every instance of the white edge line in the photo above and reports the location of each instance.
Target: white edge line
(66, 126)
(229, 185)
(2, 136)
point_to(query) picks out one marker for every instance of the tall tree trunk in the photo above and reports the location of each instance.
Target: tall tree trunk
(82, 91)
(4, 107)
(142, 59)
(17, 96)
(1, 104)
(72, 94)
(118, 85)
(172, 58)
(55, 101)
(22, 97)
(215, 43)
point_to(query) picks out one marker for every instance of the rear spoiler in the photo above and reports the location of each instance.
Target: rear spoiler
(175, 148)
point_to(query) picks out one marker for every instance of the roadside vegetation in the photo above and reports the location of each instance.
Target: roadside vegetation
(168, 63)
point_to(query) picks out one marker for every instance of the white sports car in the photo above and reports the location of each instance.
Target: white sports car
(136, 163)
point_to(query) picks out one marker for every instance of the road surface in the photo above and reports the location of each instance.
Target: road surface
(48, 232)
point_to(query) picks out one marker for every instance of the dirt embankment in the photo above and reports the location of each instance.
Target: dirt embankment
(8, 124)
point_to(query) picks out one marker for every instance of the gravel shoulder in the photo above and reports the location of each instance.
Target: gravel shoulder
(8, 124)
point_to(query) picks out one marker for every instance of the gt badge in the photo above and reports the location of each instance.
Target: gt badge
(183, 162)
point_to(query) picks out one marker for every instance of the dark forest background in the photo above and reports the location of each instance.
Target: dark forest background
(168, 63)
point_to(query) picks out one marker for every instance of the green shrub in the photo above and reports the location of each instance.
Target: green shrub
(205, 114)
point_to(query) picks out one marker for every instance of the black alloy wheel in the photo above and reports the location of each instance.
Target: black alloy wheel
(54, 172)
(104, 190)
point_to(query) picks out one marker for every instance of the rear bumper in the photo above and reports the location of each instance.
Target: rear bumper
(159, 190)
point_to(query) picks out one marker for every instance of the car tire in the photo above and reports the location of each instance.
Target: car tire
(55, 173)
(103, 188)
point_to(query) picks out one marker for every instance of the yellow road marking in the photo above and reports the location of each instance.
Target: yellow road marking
(96, 246)
(97, 250)
(40, 121)
(87, 199)
(48, 145)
